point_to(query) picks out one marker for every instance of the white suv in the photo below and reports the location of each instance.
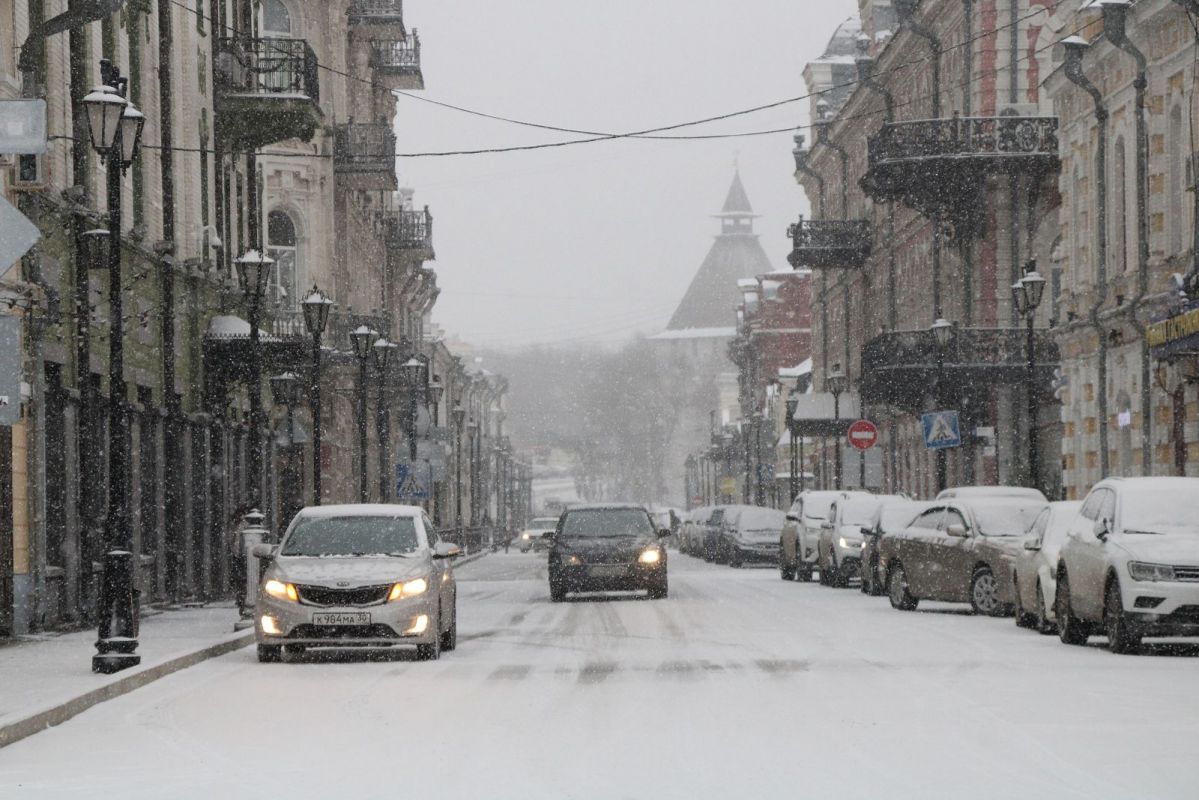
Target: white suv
(1129, 566)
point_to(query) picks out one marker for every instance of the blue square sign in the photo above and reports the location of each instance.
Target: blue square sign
(941, 430)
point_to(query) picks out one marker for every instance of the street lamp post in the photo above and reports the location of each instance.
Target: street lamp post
(285, 390)
(362, 338)
(414, 374)
(837, 382)
(792, 406)
(459, 422)
(115, 129)
(253, 268)
(473, 428)
(382, 350)
(943, 333)
(1026, 296)
(316, 315)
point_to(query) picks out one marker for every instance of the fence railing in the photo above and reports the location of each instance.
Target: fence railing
(268, 66)
(829, 243)
(401, 55)
(364, 147)
(410, 229)
(380, 9)
(965, 137)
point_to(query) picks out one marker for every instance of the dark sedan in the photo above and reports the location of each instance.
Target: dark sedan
(607, 548)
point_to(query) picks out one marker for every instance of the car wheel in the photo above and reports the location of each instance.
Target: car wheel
(835, 577)
(803, 573)
(1023, 618)
(897, 590)
(876, 584)
(1043, 625)
(984, 593)
(449, 639)
(1121, 639)
(270, 653)
(735, 558)
(294, 650)
(825, 574)
(1070, 629)
(658, 590)
(786, 572)
(557, 592)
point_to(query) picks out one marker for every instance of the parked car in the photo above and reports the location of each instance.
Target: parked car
(686, 534)
(959, 552)
(710, 534)
(752, 534)
(839, 544)
(1129, 566)
(357, 575)
(890, 517)
(963, 492)
(800, 534)
(1034, 575)
(725, 532)
(532, 537)
(607, 547)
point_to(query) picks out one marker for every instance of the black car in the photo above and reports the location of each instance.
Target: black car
(607, 548)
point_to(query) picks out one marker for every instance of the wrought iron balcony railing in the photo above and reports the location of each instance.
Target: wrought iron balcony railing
(829, 243)
(364, 147)
(268, 66)
(410, 229)
(398, 55)
(958, 138)
(382, 10)
(289, 326)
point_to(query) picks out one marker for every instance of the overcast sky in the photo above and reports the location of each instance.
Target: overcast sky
(596, 242)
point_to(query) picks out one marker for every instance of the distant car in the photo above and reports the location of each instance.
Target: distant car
(753, 535)
(533, 537)
(1034, 576)
(1129, 566)
(710, 532)
(962, 492)
(959, 551)
(890, 517)
(607, 547)
(841, 539)
(355, 576)
(691, 533)
(799, 537)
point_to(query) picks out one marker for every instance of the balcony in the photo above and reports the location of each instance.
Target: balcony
(940, 166)
(397, 62)
(267, 91)
(377, 13)
(412, 231)
(364, 156)
(900, 368)
(829, 243)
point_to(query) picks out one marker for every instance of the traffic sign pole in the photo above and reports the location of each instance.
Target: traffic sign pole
(862, 435)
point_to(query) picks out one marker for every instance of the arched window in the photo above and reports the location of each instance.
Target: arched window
(1119, 224)
(281, 246)
(1177, 168)
(276, 19)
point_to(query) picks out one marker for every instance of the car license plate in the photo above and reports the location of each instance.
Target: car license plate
(609, 571)
(342, 618)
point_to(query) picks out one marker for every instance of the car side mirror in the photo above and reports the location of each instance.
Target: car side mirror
(548, 536)
(446, 550)
(792, 518)
(1103, 529)
(263, 551)
(663, 533)
(956, 529)
(1032, 543)
(826, 525)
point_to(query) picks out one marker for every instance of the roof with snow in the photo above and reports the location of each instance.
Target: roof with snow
(735, 254)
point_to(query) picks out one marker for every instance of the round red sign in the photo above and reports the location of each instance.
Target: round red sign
(863, 434)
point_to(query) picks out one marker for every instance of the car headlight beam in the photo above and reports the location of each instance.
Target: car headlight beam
(851, 544)
(651, 556)
(406, 589)
(281, 591)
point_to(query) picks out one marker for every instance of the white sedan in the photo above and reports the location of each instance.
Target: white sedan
(1034, 575)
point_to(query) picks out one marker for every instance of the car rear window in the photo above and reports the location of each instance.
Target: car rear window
(761, 519)
(607, 522)
(1006, 519)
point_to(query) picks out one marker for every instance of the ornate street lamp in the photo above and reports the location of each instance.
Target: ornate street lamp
(253, 269)
(792, 406)
(1026, 297)
(412, 372)
(459, 422)
(943, 332)
(116, 642)
(837, 382)
(316, 308)
(383, 350)
(362, 338)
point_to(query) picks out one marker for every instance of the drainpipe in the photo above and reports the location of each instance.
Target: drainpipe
(822, 137)
(1075, 48)
(906, 11)
(802, 166)
(1191, 281)
(1115, 19)
(866, 78)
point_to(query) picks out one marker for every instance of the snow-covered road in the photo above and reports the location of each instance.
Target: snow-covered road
(738, 685)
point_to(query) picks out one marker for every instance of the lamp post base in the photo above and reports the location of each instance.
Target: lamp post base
(115, 654)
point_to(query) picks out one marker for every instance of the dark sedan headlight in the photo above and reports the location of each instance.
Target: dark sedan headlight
(651, 555)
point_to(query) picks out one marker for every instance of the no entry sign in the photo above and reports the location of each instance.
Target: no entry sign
(863, 434)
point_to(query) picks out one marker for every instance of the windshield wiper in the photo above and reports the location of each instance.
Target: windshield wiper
(1145, 533)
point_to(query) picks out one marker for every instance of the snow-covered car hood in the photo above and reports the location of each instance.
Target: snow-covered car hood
(1179, 549)
(355, 571)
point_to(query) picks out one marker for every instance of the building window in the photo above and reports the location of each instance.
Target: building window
(276, 19)
(281, 246)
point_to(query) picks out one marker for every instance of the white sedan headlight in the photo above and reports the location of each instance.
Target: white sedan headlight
(850, 544)
(406, 589)
(1141, 571)
(280, 590)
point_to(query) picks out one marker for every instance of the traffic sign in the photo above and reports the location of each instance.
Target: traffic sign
(941, 430)
(863, 434)
(17, 235)
(728, 485)
(410, 484)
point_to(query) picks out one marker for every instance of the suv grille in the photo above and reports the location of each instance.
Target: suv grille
(361, 596)
(1188, 574)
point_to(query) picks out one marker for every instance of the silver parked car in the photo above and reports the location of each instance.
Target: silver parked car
(354, 576)
(1034, 576)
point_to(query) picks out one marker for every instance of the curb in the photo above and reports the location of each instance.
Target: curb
(460, 562)
(16, 731)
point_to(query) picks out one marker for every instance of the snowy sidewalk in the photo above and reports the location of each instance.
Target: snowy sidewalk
(47, 679)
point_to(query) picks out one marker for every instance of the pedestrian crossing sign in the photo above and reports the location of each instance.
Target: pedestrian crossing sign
(941, 430)
(410, 488)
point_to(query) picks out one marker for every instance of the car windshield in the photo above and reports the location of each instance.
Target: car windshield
(602, 523)
(544, 524)
(859, 511)
(1006, 519)
(761, 519)
(897, 518)
(818, 507)
(351, 536)
(1159, 510)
